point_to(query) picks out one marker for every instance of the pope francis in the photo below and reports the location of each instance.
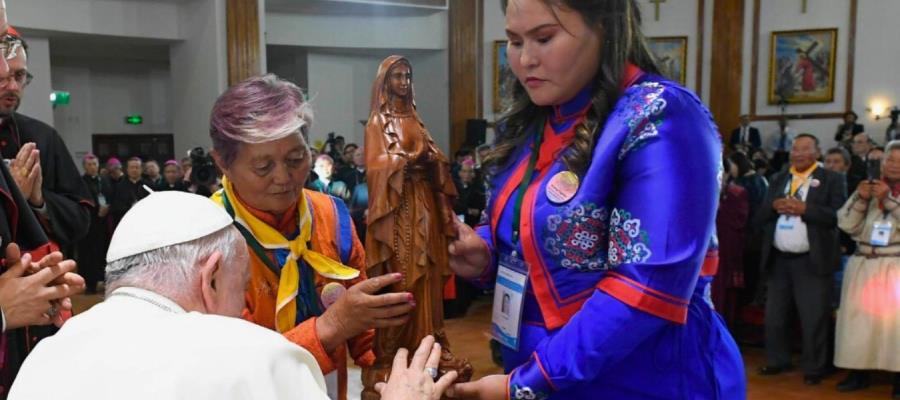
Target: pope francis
(176, 273)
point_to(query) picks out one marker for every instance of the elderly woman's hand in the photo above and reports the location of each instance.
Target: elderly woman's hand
(415, 381)
(360, 309)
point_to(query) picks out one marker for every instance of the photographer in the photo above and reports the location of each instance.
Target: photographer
(334, 147)
(893, 130)
(866, 336)
(849, 128)
(202, 176)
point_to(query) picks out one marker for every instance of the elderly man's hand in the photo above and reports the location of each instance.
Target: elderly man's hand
(414, 382)
(360, 309)
(35, 299)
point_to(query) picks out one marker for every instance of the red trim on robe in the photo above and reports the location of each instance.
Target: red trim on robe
(710, 264)
(537, 360)
(643, 301)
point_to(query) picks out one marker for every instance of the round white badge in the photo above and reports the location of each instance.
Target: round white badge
(562, 187)
(331, 293)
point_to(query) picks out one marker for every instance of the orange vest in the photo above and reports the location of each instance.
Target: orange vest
(331, 238)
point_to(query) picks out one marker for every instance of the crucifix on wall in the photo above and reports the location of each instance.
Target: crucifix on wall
(656, 3)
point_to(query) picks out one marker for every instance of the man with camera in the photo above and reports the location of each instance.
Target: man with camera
(38, 159)
(202, 175)
(800, 254)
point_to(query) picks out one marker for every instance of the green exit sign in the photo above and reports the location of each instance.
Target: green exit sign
(134, 120)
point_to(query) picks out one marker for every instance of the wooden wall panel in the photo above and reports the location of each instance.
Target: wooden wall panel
(727, 69)
(242, 39)
(465, 67)
(701, 27)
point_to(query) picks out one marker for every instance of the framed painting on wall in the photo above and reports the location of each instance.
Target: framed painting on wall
(503, 78)
(671, 56)
(801, 66)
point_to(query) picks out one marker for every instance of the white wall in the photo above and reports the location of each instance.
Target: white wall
(36, 100)
(875, 78)
(779, 16)
(104, 92)
(198, 71)
(148, 19)
(340, 86)
(194, 28)
(494, 29)
(876, 81)
(428, 32)
(337, 57)
(675, 19)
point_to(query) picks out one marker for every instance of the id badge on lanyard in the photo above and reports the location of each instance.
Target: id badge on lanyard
(509, 296)
(881, 233)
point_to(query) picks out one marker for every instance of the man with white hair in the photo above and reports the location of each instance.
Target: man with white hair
(177, 269)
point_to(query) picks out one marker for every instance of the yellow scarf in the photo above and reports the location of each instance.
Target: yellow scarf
(271, 239)
(800, 177)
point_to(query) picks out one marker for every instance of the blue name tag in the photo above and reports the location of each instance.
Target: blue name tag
(881, 234)
(509, 295)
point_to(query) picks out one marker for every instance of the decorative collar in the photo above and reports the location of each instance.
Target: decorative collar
(575, 107)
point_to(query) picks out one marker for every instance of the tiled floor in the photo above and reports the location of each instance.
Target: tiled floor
(469, 337)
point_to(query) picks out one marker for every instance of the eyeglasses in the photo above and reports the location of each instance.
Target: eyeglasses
(22, 77)
(9, 46)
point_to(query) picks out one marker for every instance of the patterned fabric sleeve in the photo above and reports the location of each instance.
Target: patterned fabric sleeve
(660, 226)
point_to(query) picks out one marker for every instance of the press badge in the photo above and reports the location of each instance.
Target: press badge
(881, 233)
(509, 295)
(786, 223)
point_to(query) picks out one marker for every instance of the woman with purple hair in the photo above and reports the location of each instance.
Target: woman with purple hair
(312, 288)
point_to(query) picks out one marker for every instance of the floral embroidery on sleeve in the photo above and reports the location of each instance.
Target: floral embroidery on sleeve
(578, 235)
(643, 112)
(627, 241)
(525, 393)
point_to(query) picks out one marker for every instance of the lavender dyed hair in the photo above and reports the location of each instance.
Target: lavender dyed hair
(257, 110)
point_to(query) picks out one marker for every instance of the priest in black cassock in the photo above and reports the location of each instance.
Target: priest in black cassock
(39, 161)
(19, 224)
(91, 250)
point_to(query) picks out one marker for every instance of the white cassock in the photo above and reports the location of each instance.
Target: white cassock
(140, 345)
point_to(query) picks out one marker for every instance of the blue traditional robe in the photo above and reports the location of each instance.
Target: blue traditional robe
(617, 304)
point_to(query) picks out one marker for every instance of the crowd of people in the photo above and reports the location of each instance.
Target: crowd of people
(255, 283)
(113, 192)
(815, 238)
